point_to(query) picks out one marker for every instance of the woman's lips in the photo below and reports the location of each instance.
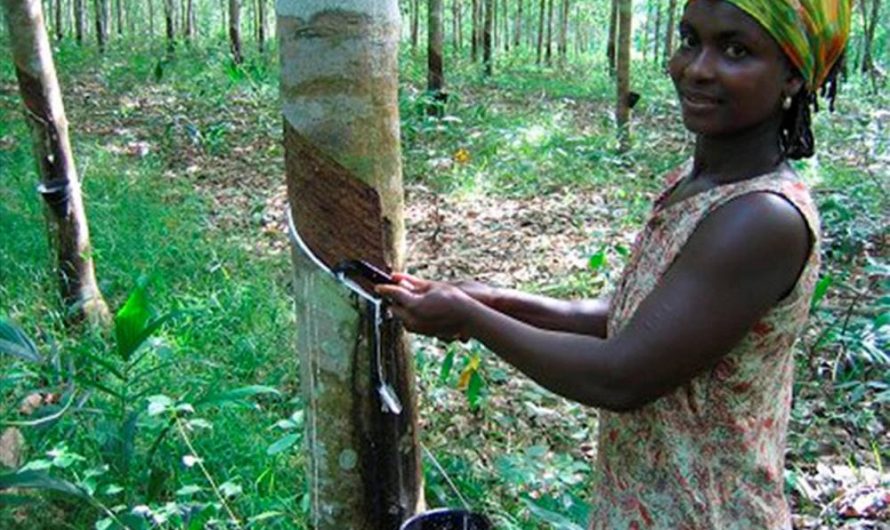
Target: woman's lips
(698, 101)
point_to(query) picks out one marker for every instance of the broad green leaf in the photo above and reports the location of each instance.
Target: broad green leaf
(14, 341)
(554, 520)
(186, 491)
(131, 320)
(474, 389)
(238, 394)
(597, 261)
(158, 404)
(447, 365)
(282, 443)
(40, 480)
(820, 291)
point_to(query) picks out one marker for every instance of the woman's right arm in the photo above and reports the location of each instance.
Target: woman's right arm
(586, 317)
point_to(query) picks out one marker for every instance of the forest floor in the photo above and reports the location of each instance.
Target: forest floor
(519, 186)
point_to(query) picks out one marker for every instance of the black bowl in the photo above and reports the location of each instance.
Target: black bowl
(447, 519)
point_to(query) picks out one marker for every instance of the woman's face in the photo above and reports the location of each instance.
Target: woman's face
(729, 73)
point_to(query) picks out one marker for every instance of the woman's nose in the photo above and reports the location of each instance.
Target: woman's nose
(703, 65)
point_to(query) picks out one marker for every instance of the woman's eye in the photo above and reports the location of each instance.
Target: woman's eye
(687, 41)
(736, 51)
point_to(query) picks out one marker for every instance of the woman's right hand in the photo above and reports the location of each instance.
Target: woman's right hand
(482, 293)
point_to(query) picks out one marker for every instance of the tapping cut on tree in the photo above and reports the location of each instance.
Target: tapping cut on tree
(59, 184)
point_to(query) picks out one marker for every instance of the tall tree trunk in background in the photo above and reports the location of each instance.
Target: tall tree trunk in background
(339, 84)
(548, 48)
(59, 184)
(60, 32)
(435, 74)
(189, 22)
(261, 25)
(79, 21)
(563, 31)
(487, 48)
(869, 24)
(169, 10)
(611, 46)
(622, 107)
(646, 29)
(474, 32)
(119, 16)
(517, 25)
(101, 7)
(671, 31)
(505, 25)
(657, 38)
(415, 24)
(455, 24)
(541, 32)
(151, 18)
(235, 30)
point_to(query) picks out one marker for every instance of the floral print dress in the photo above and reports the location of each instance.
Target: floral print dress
(709, 455)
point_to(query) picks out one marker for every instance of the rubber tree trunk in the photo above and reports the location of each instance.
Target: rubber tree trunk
(101, 7)
(415, 24)
(455, 24)
(79, 21)
(339, 68)
(60, 30)
(671, 31)
(59, 185)
(435, 70)
(562, 45)
(169, 15)
(487, 48)
(517, 25)
(261, 25)
(119, 15)
(869, 24)
(548, 44)
(541, 31)
(474, 33)
(657, 38)
(235, 30)
(189, 19)
(151, 18)
(622, 107)
(611, 46)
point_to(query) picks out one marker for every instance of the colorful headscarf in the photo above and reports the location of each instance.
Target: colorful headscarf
(812, 33)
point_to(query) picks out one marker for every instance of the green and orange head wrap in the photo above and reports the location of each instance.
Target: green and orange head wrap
(812, 33)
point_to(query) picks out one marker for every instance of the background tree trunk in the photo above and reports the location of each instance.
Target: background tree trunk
(548, 48)
(517, 25)
(455, 24)
(59, 187)
(235, 30)
(119, 15)
(671, 31)
(364, 464)
(541, 32)
(487, 48)
(562, 45)
(101, 23)
(611, 47)
(169, 10)
(151, 18)
(189, 22)
(79, 21)
(435, 74)
(415, 24)
(656, 40)
(60, 30)
(622, 107)
(869, 24)
(261, 25)
(474, 39)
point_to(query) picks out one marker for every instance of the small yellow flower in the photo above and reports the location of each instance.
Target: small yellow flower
(462, 156)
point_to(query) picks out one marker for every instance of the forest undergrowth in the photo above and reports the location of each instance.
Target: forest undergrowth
(519, 184)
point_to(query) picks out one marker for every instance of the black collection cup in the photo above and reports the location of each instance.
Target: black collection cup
(447, 519)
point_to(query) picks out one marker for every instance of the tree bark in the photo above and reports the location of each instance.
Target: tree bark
(101, 8)
(622, 107)
(339, 68)
(119, 15)
(59, 185)
(415, 24)
(671, 31)
(611, 48)
(435, 73)
(548, 48)
(235, 30)
(657, 38)
(474, 37)
(869, 24)
(563, 32)
(188, 23)
(169, 10)
(455, 24)
(79, 21)
(261, 25)
(60, 32)
(517, 25)
(151, 18)
(541, 32)
(487, 48)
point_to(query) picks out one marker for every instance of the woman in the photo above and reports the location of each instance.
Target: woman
(692, 358)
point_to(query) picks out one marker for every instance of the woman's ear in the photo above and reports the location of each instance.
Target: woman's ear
(793, 84)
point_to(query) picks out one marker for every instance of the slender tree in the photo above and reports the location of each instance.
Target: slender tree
(517, 25)
(562, 45)
(541, 31)
(869, 25)
(60, 30)
(119, 16)
(79, 21)
(456, 24)
(548, 47)
(622, 107)
(101, 7)
(487, 47)
(169, 20)
(670, 31)
(435, 73)
(59, 185)
(657, 37)
(151, 18)
(415, 24)
(189, 20)
(474, 38)
(611, 46)
(261, 25)
(339, 69)
(235, 30)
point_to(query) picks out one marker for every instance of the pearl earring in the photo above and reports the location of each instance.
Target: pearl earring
(786, 103)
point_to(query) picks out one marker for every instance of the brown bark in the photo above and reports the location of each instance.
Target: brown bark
(869, 24)
(548, 45)
(415, 24)
(79, 21)
(657, 37)
(169, 21)
(563, 31)
(261, 25)
(622, 107)
(101, 7)
(671, 31)
(487, 48)
(235, 30)
(119, 15)
(60, 32)
(189, 22)
(517, 25)
(455, 24)
(59, 184)
(435, 72)
(474, 31)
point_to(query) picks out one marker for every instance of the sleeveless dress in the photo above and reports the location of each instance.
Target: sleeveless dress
(709, 455)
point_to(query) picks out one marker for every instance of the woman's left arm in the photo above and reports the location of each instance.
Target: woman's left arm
(739, 262)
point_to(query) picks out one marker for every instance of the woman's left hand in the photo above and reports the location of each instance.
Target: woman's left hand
(437, 309)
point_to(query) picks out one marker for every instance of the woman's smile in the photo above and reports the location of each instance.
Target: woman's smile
(698, 101)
